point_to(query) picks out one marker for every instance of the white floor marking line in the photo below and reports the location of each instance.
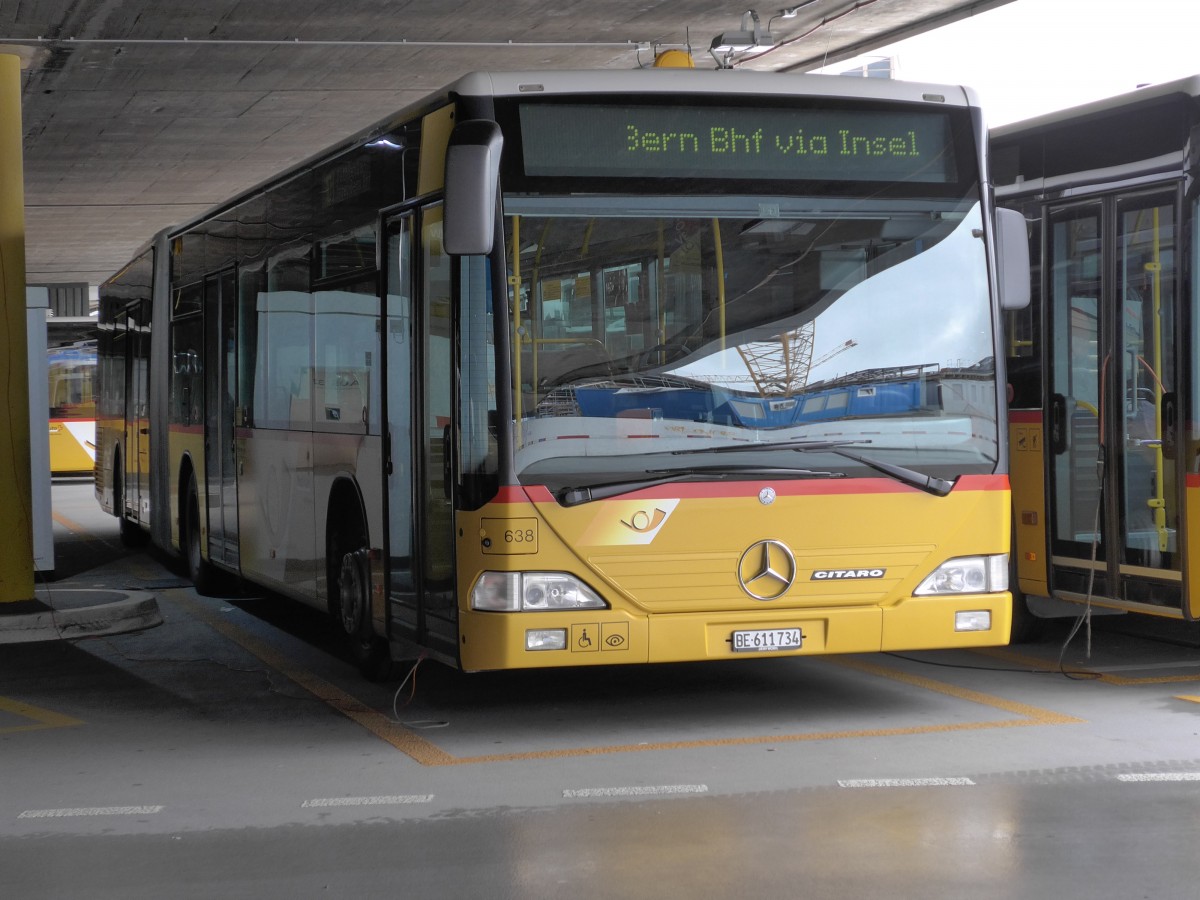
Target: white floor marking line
(386, 800)
(90, 811)
(1161, 776)
(637, 791)
(905, 782)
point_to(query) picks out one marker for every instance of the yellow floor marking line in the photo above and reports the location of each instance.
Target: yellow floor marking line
(428, 754)
(41, 718)
(1032, 715)
(378, 724)
(83, 532)
(1045, 665)
(68, 524)
(1190, 698)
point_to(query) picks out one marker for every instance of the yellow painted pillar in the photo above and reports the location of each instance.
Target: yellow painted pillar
(16, 503)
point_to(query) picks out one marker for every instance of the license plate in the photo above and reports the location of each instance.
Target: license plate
(764, 639)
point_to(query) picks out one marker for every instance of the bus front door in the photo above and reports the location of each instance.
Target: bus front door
(220, 367)
(420, 370)
(1112, 496)
(136, 475)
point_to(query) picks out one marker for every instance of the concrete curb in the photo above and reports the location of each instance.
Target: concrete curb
(106, 612)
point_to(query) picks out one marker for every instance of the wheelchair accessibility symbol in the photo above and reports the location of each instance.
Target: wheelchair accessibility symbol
(594, 637)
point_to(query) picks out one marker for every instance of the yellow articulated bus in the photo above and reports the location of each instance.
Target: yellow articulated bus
(72, 371)
(1105, 409)
(578, 368)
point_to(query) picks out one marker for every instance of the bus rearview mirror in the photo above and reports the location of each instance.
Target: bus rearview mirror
(1012, 256)
(472, 178)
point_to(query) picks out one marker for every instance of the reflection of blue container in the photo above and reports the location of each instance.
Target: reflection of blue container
(684, 404)
(840, 402)
(72, 355)
(719, 405)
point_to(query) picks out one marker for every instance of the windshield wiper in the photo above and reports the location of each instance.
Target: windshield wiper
(574, 496)
(931, 484)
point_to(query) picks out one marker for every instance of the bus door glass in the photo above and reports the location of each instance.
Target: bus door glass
(1111, 493)
(220, 305)
(1146, 478)
(419, 410)
(1074, 428)
(137, 422)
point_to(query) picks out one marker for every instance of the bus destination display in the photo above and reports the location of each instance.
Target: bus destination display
(576, 140)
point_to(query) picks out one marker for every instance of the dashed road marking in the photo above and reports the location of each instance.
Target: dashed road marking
(905, 782)
(1141, 777)
(82, 811)
(386, 800)
(636, 791)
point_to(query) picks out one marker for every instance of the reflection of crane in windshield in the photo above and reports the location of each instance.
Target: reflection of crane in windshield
(780, 367)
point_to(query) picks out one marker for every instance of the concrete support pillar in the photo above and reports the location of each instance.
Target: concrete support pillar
(16, 506)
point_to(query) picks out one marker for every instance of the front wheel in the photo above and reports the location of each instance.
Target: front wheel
(131, 533)
(200, 571)
(353, 613)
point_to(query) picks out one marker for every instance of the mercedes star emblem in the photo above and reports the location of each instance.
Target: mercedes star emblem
(766, 570)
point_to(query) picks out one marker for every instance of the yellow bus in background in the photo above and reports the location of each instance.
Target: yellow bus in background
(591, 368)
(1105, 420)
(72, 370)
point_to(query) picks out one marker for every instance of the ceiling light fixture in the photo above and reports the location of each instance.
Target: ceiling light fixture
(750, 37)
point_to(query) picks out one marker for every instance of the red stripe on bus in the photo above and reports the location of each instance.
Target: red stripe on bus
(1025, 416)
(537, 493)
(1192, 480)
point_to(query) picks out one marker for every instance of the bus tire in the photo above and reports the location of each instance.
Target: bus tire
(351, 607)
(1027, 628)
(199, 570)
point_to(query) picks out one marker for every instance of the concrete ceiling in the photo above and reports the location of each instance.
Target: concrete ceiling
(138, 114)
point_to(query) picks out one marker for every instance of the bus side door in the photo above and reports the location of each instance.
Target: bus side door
(419, 359)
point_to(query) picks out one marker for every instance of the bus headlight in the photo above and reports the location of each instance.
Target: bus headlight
(967, 575)
(526, 591)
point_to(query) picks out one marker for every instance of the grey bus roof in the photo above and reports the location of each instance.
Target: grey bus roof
(707, 82)
(1189, 86)
(1128, 174)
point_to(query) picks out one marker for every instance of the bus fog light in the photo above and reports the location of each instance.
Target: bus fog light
(546, 639)
(973, 620)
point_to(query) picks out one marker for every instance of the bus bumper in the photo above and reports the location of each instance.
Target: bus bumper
(610, 637)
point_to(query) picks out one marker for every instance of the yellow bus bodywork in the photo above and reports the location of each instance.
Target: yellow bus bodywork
(668, 566)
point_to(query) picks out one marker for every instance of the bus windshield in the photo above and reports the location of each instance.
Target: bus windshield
(652, 330)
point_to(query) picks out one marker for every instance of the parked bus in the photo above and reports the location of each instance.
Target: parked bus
(72, 371)
(1105, 420)
(367, 383)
